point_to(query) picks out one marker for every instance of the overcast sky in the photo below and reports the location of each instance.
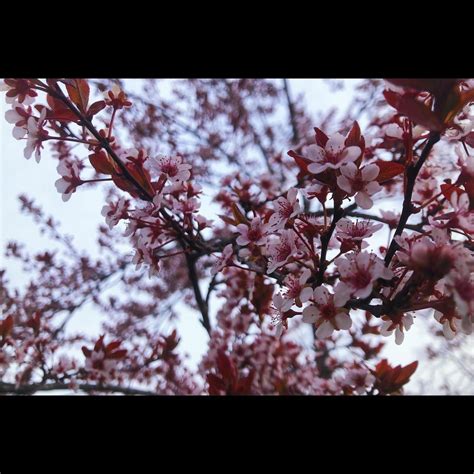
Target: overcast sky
(81, 215)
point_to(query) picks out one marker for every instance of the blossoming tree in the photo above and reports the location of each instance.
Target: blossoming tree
(293, 287)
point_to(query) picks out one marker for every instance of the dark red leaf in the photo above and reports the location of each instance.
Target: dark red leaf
(79, 93)
(321, 137)
(95, 108)
(388, 170)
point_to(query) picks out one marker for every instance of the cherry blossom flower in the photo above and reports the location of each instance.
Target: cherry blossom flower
(398, 323)
(434, 259)
(316, 190)
(18, 90)
(70, 180)
(255, 234)
(465, 163)
(394, 130)
(332, 156)
(103, 358)
(425, 189)
(360, 182)
(285, 209)
(187, 206)
(461, 283)
(326, 314)
(390, 217)
(356, 232)
(280, 252)
(172, 167)
(36, 136)
(449, 322)
(18, 116)
(357, 275)
(268, 184)
(225, 259)
(463, 124)
(116, 98)
(115, 211)
(296, 286)
(359, 379)
(281, 306)
(462, 218)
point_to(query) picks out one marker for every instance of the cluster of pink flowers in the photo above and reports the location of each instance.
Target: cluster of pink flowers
(279, 254)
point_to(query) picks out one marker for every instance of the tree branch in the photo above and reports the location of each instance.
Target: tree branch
(291, 110)
(407, 210)
(10, 388)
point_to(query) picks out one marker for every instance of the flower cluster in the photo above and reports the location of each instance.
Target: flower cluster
(299, 246)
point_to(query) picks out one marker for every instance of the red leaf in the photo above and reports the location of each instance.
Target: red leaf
(415, 110)
(6, 326)
(59, 111)
(388, 170)
(102, 163)
(125, 185)
(321, 137)
(405, 373)
(216, 384)
(113, 345)
(118, 354)
(354, 135)
(79, 93)
(301, 161)
(95, 108)
(226, 367)
(449, 189)
(87, 352)
(245, 384)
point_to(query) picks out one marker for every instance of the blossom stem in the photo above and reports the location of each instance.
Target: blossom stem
(407, 210)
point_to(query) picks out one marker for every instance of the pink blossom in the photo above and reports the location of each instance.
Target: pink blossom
(316, 190)
(70, 180)
(18, 90)
(281, 305)
(461, 284)
(465, 163)
(347, 230)
(115, 211)
(18, 116)
(463, 124)
(256, 233)
(187, 206)
(449, 323)
(326, 314)
(434, 259)
(461, 218)
(360, 182)
(285, 208)
(358, 272)
(225, 259)
(296, 286)
(332, 156)
(390, 217)
(398, 324)
(394, 130)
(170, 166)
(359, 379)
(425, 189)
(280, 252)
(36, 136)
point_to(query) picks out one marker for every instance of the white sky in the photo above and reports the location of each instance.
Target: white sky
(81, 215)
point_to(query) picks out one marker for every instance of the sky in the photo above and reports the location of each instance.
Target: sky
(81, 215)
